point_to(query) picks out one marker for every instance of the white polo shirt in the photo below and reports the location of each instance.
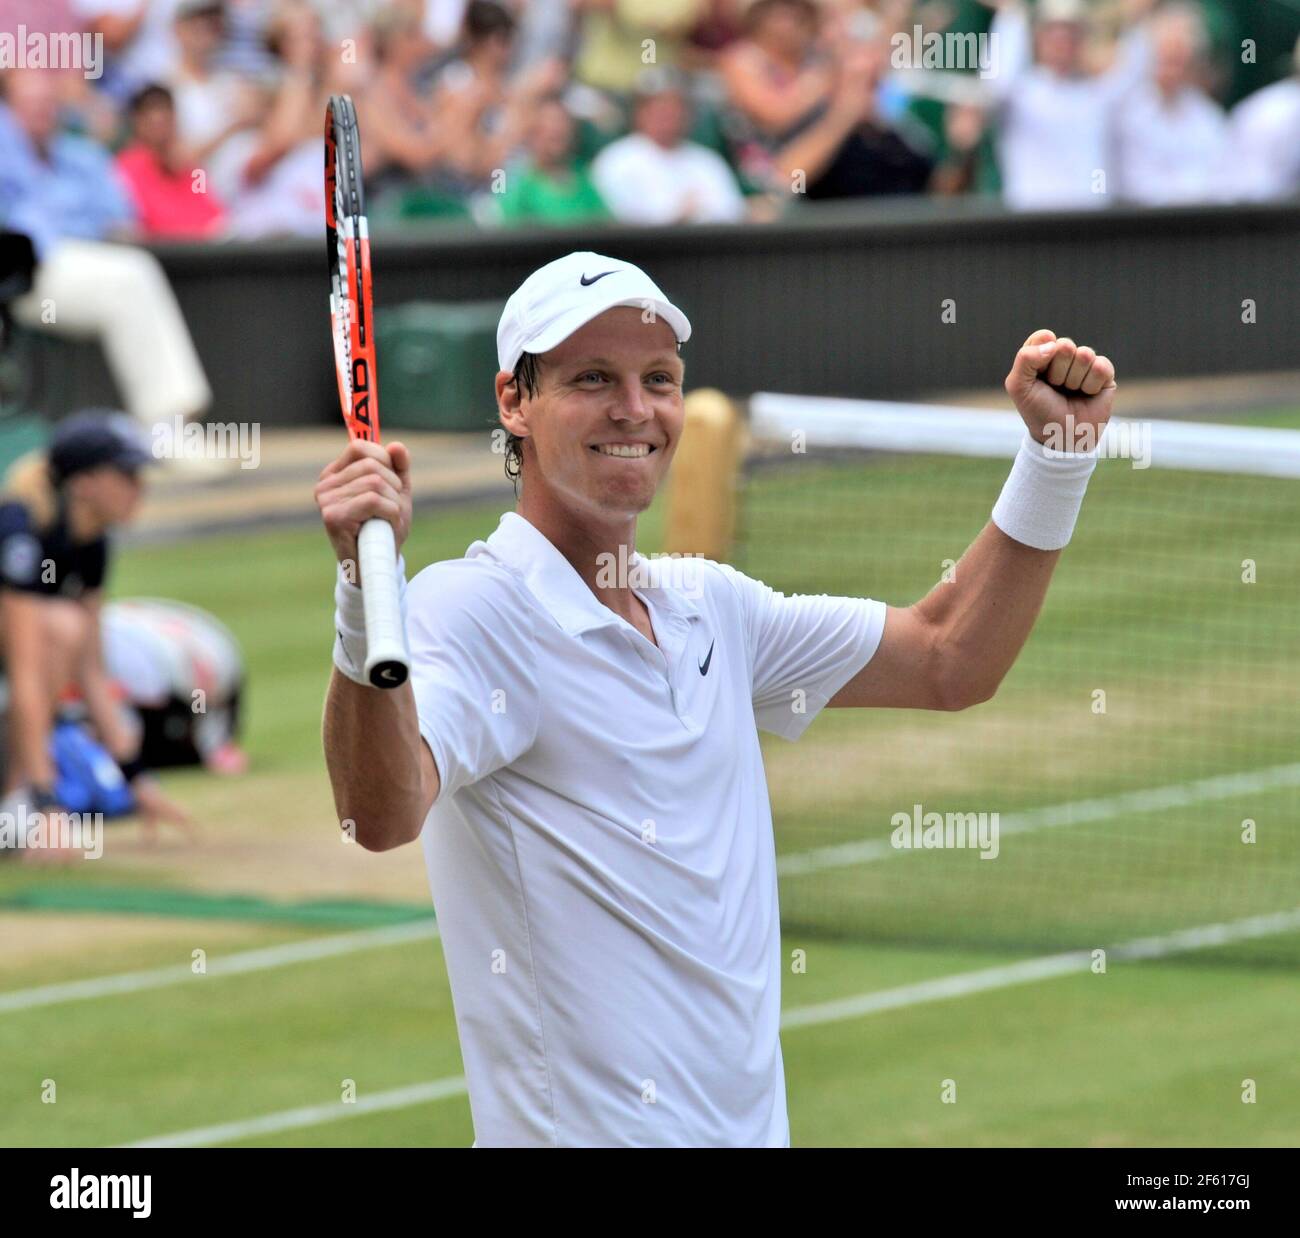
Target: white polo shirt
(601, 854)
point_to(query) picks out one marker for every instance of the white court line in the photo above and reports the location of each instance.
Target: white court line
(232, 965)
(1044, 968)
(311, 1115)
(1075, 812)
(944, 987)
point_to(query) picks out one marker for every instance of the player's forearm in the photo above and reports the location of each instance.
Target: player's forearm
(372, 750)
(105, 718)
(31, 718)
(101, 705)
(981, 618)
(984, 614)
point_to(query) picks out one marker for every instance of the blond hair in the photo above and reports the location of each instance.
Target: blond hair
(28, 481)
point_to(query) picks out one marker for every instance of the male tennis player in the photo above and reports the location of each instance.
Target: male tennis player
(580, 753)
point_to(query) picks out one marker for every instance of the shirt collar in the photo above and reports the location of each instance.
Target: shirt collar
(551, 578)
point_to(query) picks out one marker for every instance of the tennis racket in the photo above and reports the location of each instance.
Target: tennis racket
(347, 244)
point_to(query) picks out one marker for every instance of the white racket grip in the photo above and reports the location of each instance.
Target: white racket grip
(387, 662)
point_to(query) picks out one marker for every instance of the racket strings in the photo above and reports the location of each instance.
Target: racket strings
(348, 246)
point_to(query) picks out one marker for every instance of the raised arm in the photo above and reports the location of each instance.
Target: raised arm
(382, 772)
(852, 102)
(1012, 40)
(399, 142)
(953, 648)
(773, 109)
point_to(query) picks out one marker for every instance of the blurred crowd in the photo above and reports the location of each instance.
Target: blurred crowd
(205, 121)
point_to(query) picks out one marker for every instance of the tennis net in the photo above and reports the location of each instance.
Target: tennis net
(1141, 759)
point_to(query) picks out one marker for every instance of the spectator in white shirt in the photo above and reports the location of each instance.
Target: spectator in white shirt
(1170, 134)
(654, 175)
(212, 104)
(1265, 140)
(1054, 118)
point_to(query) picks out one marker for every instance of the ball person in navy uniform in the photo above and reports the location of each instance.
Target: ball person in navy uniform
(57, 509)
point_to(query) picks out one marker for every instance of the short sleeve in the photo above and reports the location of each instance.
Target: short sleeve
(469, 629)
(803, 649)
(20, 549)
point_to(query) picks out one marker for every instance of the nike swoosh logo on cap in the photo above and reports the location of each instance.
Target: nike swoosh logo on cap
(591, 279)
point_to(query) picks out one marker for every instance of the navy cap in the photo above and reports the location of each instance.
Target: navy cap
(95, 437)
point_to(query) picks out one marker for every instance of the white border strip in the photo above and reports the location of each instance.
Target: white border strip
(964, 984)
(829, 422)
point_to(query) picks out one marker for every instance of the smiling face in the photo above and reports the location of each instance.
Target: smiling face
(601, 430)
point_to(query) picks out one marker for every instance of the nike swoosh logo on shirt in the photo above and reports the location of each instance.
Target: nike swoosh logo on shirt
(587, 280)
(704, 666)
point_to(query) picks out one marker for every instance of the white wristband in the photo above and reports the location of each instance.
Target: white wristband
(1041, 499)
(350, 624)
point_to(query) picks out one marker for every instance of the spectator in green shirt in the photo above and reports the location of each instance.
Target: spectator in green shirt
(551, 187)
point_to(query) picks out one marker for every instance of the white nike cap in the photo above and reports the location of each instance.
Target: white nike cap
(557, 299)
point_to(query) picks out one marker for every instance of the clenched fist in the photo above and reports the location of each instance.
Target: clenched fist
(1062, 390)
(366, 481)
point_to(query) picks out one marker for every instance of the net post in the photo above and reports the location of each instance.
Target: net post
(702, 492)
